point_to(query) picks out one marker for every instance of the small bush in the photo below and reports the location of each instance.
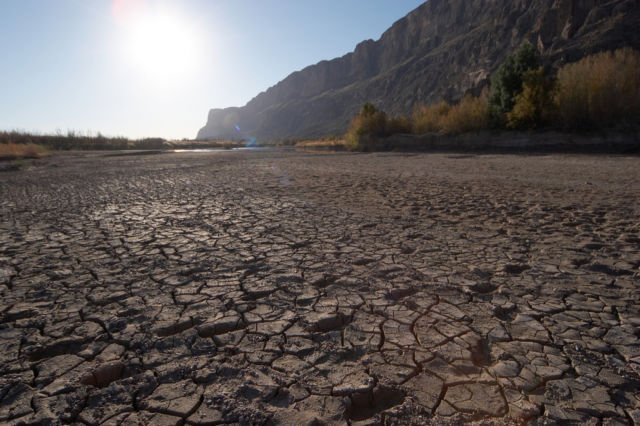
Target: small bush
(367, 124)
(600, 91)
(534, 105)
(397, 125)
(372, 123)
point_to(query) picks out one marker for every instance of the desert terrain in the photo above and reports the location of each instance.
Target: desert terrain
(281, 287)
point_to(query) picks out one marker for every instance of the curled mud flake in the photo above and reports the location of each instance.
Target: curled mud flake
(221, 326)
(365, 405)
(477, 398)
(325, 321)
(104, 374)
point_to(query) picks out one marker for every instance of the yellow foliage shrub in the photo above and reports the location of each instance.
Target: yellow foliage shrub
(429, 118)
(469, 115)
(366, 126)
(372, 123)
(600, 90)
(534, 105)
(397, 125)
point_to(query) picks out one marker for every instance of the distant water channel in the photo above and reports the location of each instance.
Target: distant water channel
(204, 150)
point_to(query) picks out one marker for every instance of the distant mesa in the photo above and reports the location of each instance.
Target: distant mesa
(441, 50)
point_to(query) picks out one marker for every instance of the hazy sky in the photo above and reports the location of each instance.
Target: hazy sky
(154, 68)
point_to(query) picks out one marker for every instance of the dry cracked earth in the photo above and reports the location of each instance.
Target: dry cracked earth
(307, 289)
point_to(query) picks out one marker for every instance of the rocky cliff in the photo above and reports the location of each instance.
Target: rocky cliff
(441, 50)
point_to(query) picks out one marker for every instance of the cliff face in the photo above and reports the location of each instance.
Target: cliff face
(441, 50)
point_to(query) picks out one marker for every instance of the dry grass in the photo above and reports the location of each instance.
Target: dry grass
(78, 141)
(599, 91)
(15, 151)
(323, 144)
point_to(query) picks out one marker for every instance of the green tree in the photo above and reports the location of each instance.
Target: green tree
(507, 82)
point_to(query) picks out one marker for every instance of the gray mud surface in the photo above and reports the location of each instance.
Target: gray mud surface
(294, 288)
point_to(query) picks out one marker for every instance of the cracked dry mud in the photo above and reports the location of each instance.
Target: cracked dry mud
(291, 288)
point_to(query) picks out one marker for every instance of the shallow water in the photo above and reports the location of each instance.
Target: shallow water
(202, 150)
(247, 148)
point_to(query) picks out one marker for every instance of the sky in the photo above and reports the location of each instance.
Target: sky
(145, 68)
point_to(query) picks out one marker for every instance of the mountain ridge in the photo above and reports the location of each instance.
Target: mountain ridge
(440, 50)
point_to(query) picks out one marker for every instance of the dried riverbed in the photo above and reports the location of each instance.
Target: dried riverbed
(288, 288)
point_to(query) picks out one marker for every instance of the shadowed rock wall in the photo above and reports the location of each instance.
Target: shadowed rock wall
(441, 50)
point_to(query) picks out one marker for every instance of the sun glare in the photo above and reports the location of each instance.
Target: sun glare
(160, 45)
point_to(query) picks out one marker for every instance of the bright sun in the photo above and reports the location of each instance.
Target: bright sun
(161, 46)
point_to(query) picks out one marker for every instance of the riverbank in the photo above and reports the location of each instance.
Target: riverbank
(491, 142)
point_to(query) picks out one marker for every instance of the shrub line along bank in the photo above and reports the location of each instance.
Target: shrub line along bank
(600, 93)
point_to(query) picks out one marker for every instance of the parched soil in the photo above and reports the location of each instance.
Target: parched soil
(295, 288)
